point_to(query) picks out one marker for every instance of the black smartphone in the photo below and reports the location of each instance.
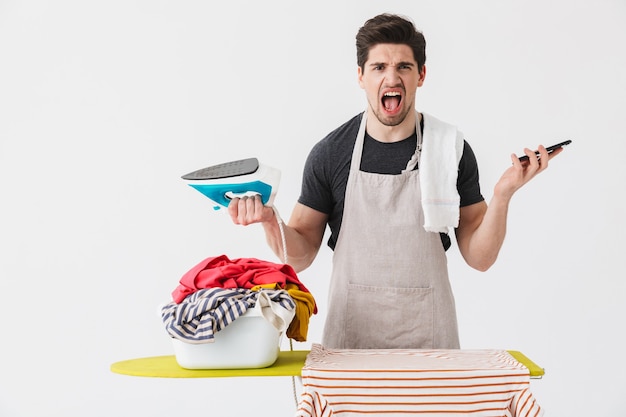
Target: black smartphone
(550, 149)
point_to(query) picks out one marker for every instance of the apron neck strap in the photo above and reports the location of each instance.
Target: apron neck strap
(360, 138)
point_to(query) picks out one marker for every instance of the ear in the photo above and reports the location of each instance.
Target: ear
(360, 76)
(420, 82)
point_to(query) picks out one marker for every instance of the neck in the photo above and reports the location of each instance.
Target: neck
(384, 133)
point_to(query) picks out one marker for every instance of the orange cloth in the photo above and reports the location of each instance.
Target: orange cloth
(305, 307)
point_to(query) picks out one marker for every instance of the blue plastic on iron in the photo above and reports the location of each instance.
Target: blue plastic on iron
(220, 193)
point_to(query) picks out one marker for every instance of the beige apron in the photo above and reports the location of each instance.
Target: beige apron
(389, 286)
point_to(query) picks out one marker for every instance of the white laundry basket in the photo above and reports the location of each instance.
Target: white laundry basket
(250, 341)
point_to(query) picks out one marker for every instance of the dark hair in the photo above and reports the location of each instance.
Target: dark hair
(390, 28)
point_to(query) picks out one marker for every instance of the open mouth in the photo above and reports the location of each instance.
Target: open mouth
(391, 101)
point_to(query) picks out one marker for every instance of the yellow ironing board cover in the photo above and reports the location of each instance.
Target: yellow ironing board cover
(536, 371)
(289, 363)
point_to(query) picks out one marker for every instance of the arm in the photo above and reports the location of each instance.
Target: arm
(303, 234)
(482, 228)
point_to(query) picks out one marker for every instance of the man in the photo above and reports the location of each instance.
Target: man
(382, 183)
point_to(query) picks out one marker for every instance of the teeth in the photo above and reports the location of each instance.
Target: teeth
(392, 94)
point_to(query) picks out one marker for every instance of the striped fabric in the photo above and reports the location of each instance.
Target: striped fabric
(405, 382)
(205, 312)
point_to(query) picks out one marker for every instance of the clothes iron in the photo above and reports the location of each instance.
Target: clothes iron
(245, 177)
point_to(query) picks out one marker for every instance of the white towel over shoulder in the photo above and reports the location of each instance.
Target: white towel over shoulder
(442, 148)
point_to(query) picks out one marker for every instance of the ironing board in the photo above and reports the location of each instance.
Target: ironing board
(289, 363)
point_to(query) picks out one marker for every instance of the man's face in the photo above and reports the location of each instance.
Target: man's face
(390, 78)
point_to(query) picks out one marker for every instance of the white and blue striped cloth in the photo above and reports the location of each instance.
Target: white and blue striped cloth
(205, 312)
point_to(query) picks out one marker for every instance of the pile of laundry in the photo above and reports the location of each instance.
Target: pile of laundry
(218, 290)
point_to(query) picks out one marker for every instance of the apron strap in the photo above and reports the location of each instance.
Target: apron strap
(410, 166)
(358, 145)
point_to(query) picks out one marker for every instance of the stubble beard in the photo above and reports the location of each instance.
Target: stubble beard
(391, 121)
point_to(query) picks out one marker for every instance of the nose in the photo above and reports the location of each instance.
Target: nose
(392, 75)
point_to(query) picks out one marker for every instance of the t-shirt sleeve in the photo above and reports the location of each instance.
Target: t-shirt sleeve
(315, 192)
(468, 179)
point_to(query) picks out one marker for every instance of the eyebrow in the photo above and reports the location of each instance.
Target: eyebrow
(399, 64)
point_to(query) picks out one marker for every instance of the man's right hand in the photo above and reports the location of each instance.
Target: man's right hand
(248, 210)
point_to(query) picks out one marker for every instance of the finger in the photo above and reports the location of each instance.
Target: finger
(251, 209)
(533, 159)
(520, 164)
(258, 206)
(243, 211)
(233, 210)
(543, 157)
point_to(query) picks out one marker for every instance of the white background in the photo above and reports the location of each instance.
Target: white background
(105, 104)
